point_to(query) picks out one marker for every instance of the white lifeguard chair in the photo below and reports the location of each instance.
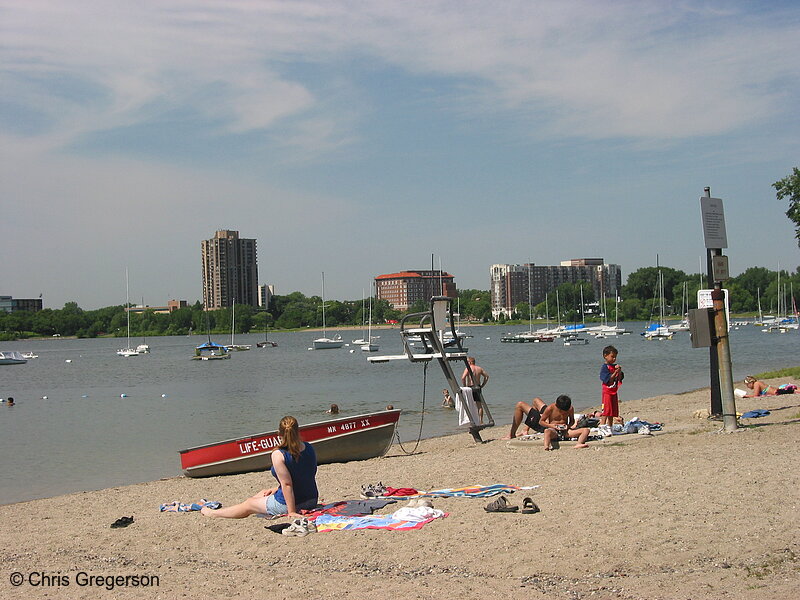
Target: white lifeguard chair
(431, 345)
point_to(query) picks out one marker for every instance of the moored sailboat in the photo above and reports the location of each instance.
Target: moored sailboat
(127, 352)
(324, 342)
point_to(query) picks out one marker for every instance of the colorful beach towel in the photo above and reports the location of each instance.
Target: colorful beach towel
(177, 506)
(340, 523)
(473, 491)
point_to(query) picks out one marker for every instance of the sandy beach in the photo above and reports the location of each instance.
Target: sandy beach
(688, 513)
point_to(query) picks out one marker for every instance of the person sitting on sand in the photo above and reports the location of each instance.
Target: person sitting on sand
(294, 465)
(559, 422)
(764, 389)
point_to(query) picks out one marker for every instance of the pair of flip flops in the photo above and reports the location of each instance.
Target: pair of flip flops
(502, 505)
(122, 522)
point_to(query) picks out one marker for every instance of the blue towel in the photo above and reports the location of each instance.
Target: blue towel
(755, 413)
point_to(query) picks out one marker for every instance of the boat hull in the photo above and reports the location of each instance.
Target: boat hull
(327, 344)
(12, 358)
(337, 440)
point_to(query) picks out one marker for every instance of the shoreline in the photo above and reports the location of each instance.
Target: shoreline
(675, 515)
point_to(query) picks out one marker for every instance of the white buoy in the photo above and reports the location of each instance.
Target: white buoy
(44, 397)
(351, 351)
(163, 395)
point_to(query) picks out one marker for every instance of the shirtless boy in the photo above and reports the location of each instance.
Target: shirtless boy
(558, 421)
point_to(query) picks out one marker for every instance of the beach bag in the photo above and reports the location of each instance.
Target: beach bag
(586, 421)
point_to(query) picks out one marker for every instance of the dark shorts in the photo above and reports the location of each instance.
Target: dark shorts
(477, 394)
(532, 420)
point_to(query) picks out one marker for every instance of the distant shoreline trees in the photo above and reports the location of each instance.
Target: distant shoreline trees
(295, 310)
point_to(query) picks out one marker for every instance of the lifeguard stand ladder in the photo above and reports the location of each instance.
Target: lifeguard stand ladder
(430, 332)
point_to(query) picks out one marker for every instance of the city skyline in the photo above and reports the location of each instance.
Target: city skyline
(361, 139)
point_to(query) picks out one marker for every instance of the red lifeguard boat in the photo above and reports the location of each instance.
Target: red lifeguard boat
(341, 439)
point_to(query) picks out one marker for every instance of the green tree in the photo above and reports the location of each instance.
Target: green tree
(788, 188)
(642, 283)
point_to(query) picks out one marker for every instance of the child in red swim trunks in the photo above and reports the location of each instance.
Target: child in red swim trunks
(611, 375)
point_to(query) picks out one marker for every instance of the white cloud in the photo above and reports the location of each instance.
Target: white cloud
(637, 70)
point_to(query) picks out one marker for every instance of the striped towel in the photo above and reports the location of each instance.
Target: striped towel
(473, 491)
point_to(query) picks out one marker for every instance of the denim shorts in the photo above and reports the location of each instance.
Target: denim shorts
(277, 508)
(274, 507)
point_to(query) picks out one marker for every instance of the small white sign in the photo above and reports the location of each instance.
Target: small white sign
(704, 301)
(713, 222)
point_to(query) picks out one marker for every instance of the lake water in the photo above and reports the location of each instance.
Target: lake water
(87, 435)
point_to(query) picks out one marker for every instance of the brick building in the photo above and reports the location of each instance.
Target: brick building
(403, 289)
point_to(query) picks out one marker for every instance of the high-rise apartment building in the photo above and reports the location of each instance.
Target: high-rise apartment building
(402, 289)
(230, 270)
(511, 284)
(265, 294)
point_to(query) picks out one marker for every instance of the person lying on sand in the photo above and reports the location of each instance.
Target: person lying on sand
(528, 414)
(763, 389)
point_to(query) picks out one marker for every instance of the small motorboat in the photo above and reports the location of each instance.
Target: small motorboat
(336, 440)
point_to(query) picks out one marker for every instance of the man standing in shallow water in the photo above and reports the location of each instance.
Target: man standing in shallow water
(476, 380)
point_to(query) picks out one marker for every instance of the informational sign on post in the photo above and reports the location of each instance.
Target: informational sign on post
(704, 301)
(713, 222)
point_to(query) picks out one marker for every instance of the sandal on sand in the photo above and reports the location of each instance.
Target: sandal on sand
(122, 522)
(500, 505)
(529, 507)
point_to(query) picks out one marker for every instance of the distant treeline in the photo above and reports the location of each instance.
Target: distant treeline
(296, 310)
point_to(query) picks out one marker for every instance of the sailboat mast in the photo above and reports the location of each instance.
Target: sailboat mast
(127, 306)
(530, 302)
(324, 329)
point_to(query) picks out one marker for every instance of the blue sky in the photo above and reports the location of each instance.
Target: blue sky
(359, 138)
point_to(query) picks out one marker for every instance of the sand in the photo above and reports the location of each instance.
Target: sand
(691, 513)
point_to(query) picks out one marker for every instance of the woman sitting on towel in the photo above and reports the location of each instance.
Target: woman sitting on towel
(294, 465)
(763, 389)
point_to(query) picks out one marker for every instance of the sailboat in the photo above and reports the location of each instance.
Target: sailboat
(127, 352)
(232, 345)
(324, 342)
(572, 338)
(370, 345)
(363, 339)
(684, 324)
(267, 343)
(209, 350)
(658, 330)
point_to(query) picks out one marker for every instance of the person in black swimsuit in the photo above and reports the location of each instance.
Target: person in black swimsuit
(529, 414)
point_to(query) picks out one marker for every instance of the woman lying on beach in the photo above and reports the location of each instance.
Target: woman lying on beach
(763, 389)
(294, 465)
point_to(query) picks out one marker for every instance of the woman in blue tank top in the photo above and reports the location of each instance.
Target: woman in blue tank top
(294, 465)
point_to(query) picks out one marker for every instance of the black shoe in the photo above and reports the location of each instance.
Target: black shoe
(122, 522)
